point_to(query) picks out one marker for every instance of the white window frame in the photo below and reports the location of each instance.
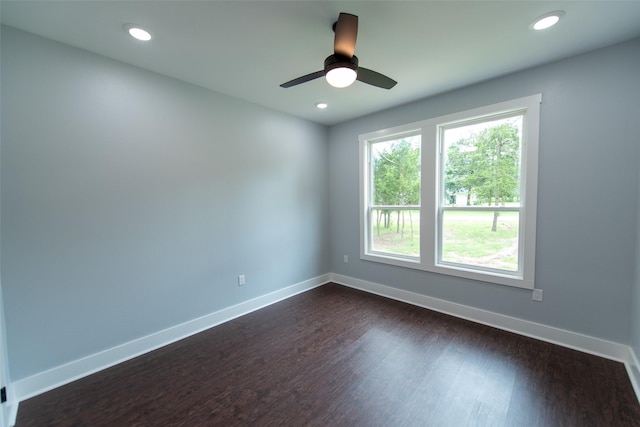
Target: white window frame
(431, 209)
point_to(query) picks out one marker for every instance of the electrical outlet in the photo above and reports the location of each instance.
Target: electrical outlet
(241, 280)
(537, 295)
(346, 258)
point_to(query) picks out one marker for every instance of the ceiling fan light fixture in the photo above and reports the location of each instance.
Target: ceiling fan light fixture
(547, 20)
(341, 77)
(341, 71)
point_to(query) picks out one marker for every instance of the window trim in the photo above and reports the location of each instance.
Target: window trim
(430, 188)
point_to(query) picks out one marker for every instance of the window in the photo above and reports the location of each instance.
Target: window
(456, 194)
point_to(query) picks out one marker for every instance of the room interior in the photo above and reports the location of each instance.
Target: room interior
(139, 181)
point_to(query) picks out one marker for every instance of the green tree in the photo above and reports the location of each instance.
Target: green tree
(396, 178)
(459, 170)
(487, 166)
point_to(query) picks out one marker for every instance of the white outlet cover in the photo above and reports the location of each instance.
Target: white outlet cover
(537, 295)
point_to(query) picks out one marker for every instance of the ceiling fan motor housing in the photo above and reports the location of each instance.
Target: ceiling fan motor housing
(340, 61)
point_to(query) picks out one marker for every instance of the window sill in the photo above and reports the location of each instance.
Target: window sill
(497, 278)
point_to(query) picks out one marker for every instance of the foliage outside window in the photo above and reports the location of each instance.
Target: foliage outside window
(455, 194)
(481, 164)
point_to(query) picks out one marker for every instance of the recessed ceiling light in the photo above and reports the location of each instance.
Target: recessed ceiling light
(547, 20)
(137, 32)
(322, 105)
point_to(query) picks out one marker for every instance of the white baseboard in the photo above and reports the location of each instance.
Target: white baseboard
(633, 370)
(573, 340)
(11, 410)
(64, 374)
(11, 414)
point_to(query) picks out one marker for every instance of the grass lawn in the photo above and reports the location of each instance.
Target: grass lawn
(467, 239)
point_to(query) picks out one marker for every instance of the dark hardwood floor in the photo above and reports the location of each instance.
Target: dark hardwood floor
(335, 356)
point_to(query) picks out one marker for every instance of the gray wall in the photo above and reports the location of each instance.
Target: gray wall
(635, 296)
(587, 199)
(132, 201)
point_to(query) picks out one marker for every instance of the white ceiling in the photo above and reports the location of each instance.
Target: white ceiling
(246, 49)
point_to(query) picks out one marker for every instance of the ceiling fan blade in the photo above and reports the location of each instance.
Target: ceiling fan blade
(375, 79)
(346, 30)
(303, 79)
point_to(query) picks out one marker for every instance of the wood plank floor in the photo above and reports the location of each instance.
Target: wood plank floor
(335, 356)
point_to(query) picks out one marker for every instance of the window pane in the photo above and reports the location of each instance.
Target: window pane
(395, 197)
(482, 163)
(396, 231)
(481, 238)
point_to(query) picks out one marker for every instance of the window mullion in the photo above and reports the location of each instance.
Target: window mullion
(429, 179)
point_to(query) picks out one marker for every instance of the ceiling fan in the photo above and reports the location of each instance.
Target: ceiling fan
(341, 69)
